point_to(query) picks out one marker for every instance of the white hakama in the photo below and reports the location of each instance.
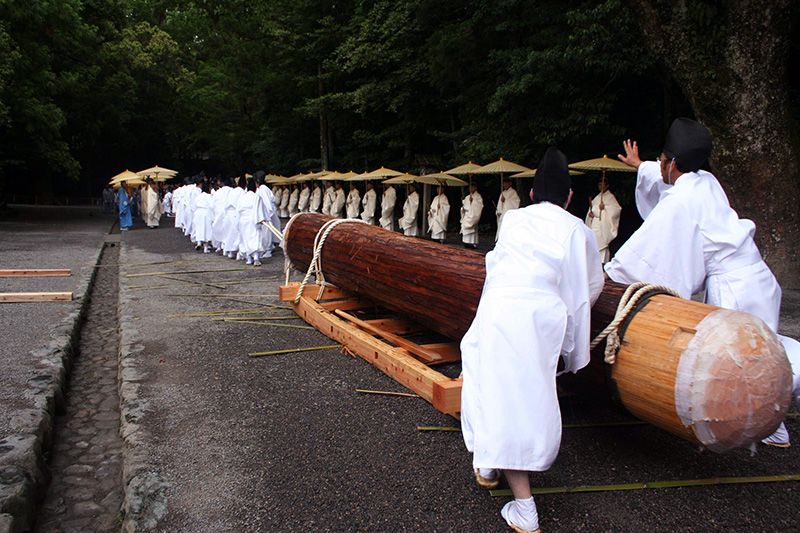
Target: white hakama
(203, 218)
(471, 209)
(408, 222)
(388, 200)
(368, 202)
(437, 217)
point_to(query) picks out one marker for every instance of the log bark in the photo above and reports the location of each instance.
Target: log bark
(411, 278)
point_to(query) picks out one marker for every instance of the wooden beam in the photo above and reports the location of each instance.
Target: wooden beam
(344, 305)
(21, 297)
(287, 293)
(33, 272)
(394, 362)
(426, 355)
(398, 326)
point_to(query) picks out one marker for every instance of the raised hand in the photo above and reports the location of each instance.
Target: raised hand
(631, 156)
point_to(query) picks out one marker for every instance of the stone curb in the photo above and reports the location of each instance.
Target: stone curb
(145, 500)
(23, 455)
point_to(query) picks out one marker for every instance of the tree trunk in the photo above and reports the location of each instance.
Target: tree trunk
(323, 124)
(730, 59)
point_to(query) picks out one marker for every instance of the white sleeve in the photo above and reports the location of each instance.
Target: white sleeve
(667, 250)
(649, 187)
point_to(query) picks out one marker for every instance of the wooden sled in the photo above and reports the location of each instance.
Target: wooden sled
(382, 342)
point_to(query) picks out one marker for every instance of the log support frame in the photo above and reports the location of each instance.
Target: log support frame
(443, 392)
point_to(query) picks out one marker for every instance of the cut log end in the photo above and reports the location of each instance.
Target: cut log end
(733, 384)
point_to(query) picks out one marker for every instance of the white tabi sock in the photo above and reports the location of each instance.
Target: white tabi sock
(779, 438)
(521, 513)
(489, 473)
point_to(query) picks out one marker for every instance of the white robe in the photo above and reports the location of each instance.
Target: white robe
(252, 211)
(368, 214)
(692, 239)
(388, 200)
(337, 206)
(152, 207)
(191, 196)
(605, 222)
(294, 197)
(166, 203)
(541, 280)
(316, 198)
(202, 218)
(408, 223)
(218, 224)
(353, 203)
(268, 199)
(283, 209)
(230, 237)
(509, 199)
(302, 201)
(437, 217)
(471, 209)
(177, 205)
(327, 200)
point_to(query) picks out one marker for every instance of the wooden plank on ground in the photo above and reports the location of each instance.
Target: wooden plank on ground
(21, 297)
(398, 326)
(344, 305)
(426, 355)
(33, 272)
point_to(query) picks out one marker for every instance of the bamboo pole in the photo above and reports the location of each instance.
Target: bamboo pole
(267, 324)
(295, 350)
(668, 484)
(193, 282)
(388, 393)
(144, 274)
(254, 319)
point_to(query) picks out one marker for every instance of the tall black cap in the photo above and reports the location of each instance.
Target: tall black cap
(552, 179)
(689, 143)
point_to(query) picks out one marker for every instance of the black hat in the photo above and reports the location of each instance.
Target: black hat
(689, 143)
(552, 181)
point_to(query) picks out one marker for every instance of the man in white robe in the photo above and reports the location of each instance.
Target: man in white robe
(438, 214)
(152, 205)
(303, 200)
(509, 199)
(218, 229)
(283, 209)
(327, 198)
(603, 218)
(691, 238)
(408, 222)
(189, 203)
(166, 203)
(253, 241)
(269, 201)
(294, 198)
(542, 278)
(471, 209)
(230, 238)
(177, 205)
(353, 201)
(368, 202)
(202, 221)
(316, 199)
(337, 205)
(388, 201)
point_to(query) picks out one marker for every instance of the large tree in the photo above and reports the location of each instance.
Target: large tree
(730, 59)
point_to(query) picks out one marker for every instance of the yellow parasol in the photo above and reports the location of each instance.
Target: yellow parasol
(442, 178)
(380, 173)
(463, 170)
(603, 164)
(532, 173)
(125, 175)
(502, 166)
(403, 179)
(158, 173)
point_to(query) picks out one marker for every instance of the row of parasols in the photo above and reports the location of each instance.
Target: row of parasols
(134, 179)
(452, 177)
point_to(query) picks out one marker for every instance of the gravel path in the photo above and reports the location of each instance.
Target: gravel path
(85, 492)
(286, 444)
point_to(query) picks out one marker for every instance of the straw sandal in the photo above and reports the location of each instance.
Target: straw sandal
(485, 482)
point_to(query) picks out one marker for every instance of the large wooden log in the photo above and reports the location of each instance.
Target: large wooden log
(716, 377)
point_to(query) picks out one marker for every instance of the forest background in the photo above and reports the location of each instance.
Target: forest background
(90, 87)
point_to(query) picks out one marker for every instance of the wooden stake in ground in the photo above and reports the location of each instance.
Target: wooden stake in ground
(33, 272)
(22, 297)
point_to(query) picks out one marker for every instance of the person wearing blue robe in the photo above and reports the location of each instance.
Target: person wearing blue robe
(125, 219)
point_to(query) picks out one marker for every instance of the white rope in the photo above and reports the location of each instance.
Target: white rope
(315, 267)
(630, 298)
(287, 263)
